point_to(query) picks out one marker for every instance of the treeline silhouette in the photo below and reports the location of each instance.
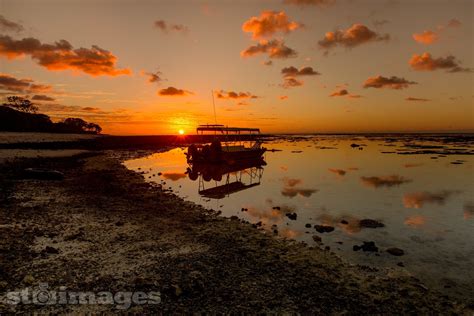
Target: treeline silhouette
(20, 115)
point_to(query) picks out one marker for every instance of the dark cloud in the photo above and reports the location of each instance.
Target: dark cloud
(154, 77)
(274, 48)
(42, 97)
(339, 172)
(384, 181)
(294, 72)
(269, 23)
(318, 3)
(290, 82)
(61, 56)
(166, 27)
(10, 83)
(356, 35)
(7, 25)
(378, 23)
(235, 95)
(454, 23)
(344, 93)
(172, 91)
(417, 99)
(425, 62)
(392, 82)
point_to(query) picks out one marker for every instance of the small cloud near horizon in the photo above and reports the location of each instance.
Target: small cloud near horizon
(392, 82)
(172, 91)
(166, 27)
(275, 49)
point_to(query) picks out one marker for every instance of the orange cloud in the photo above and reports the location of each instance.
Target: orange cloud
(165, 27)
(427, 37)
(61, 56)
(354, 36)
(417, 99)
(384, 181)
(274, 48)
(283, 97)
(267, 63)
(294, 72)
(269, 23)
(7, 25)
(10, 83)
(344, 92)
(235, 95)
(390, 83)
(319, 3)
(415, 221)
(418, 199)
(172, 91)
(425, 62)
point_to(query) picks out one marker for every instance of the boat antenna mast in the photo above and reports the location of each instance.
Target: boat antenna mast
(214, 105)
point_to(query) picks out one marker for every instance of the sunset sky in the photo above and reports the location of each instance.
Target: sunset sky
(148, 67)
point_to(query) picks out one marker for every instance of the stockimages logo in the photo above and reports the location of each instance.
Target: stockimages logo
(42, 295)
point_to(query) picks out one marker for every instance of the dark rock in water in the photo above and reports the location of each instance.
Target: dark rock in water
(366, 246)
(244, 209)
(276, 208)
(159, 173)
(42, 174)
(323, 228)
(327, 248)
(395, 251)
(291, 216)
(51, 250)
(370, 223)
(400, 264)
(355, 145)
(119, 223)
(344, 222)
(307, 225)
(234, 218)
(258, 224)
(316, 238)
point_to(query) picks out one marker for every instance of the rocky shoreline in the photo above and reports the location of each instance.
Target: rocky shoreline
(103, 228)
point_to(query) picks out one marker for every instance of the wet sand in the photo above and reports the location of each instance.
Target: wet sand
(113, 231)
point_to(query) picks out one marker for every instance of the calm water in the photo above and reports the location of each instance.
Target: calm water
(426, 201)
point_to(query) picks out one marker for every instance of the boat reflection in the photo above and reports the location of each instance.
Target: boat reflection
(227, 178)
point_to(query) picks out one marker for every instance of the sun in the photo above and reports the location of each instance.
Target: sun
(181, 132)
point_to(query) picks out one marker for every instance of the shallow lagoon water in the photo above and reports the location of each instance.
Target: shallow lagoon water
(425, 200)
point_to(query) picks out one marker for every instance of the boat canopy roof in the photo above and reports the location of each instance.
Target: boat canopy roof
(225, 129)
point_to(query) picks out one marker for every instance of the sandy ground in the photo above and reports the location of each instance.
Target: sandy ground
(13, 138)
(103, 228)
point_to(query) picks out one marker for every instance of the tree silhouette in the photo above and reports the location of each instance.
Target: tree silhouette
(21, 104)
